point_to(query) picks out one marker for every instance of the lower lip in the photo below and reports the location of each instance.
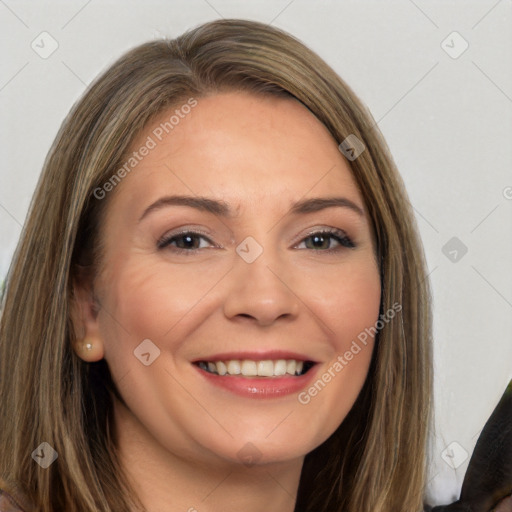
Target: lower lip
(260, 387)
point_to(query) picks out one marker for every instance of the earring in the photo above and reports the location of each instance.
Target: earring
(89, 349)
(86, 346)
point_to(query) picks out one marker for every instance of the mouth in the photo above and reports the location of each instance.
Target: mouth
(258, 375)
(257, 369)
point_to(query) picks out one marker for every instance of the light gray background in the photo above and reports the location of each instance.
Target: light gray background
(447, 121)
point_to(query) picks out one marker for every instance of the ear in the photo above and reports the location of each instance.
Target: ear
(84, 308)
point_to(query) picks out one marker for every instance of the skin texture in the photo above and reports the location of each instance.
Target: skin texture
(180, 437)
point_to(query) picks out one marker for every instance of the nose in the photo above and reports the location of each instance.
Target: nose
(261, 291)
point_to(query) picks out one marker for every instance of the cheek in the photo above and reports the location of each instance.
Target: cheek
(349, 308)
(148, 299)
(349, 302)
(354, 311)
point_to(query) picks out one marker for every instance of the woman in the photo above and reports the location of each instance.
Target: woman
(174, 338)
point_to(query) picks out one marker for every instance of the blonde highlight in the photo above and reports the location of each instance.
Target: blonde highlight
(52, 395)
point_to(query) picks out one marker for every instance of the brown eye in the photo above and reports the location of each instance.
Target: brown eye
(321, 240)
(188, 241)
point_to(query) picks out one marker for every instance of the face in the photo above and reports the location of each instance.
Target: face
(265, 276)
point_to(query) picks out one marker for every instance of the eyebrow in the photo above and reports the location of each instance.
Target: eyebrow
(221, 208)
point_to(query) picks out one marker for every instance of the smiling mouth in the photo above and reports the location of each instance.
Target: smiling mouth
(250, 368)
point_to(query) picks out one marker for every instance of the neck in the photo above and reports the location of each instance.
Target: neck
(166, 480)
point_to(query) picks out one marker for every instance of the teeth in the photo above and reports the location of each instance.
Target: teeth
(221, 368)
(280, 367)
(250, 368)
(233, 367)
(265, 368)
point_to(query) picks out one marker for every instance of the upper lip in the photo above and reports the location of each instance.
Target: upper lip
(256, 356)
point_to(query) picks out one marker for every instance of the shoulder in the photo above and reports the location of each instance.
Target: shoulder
(11, 499)
(8, 503)
(505, 505)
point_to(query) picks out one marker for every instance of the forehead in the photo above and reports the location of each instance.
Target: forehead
(241, 147)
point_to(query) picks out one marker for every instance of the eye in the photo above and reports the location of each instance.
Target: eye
(322, 240)
(186, 242)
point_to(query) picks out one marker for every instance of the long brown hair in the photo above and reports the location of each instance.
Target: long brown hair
(376, 460)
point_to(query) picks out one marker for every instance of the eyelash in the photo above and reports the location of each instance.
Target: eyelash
(337, 234)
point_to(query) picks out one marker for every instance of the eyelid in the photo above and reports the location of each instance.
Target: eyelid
(322, 229)
(182, 231)
(342, 238)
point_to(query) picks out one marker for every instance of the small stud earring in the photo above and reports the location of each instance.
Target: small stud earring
(89, 349)
(86, 345)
